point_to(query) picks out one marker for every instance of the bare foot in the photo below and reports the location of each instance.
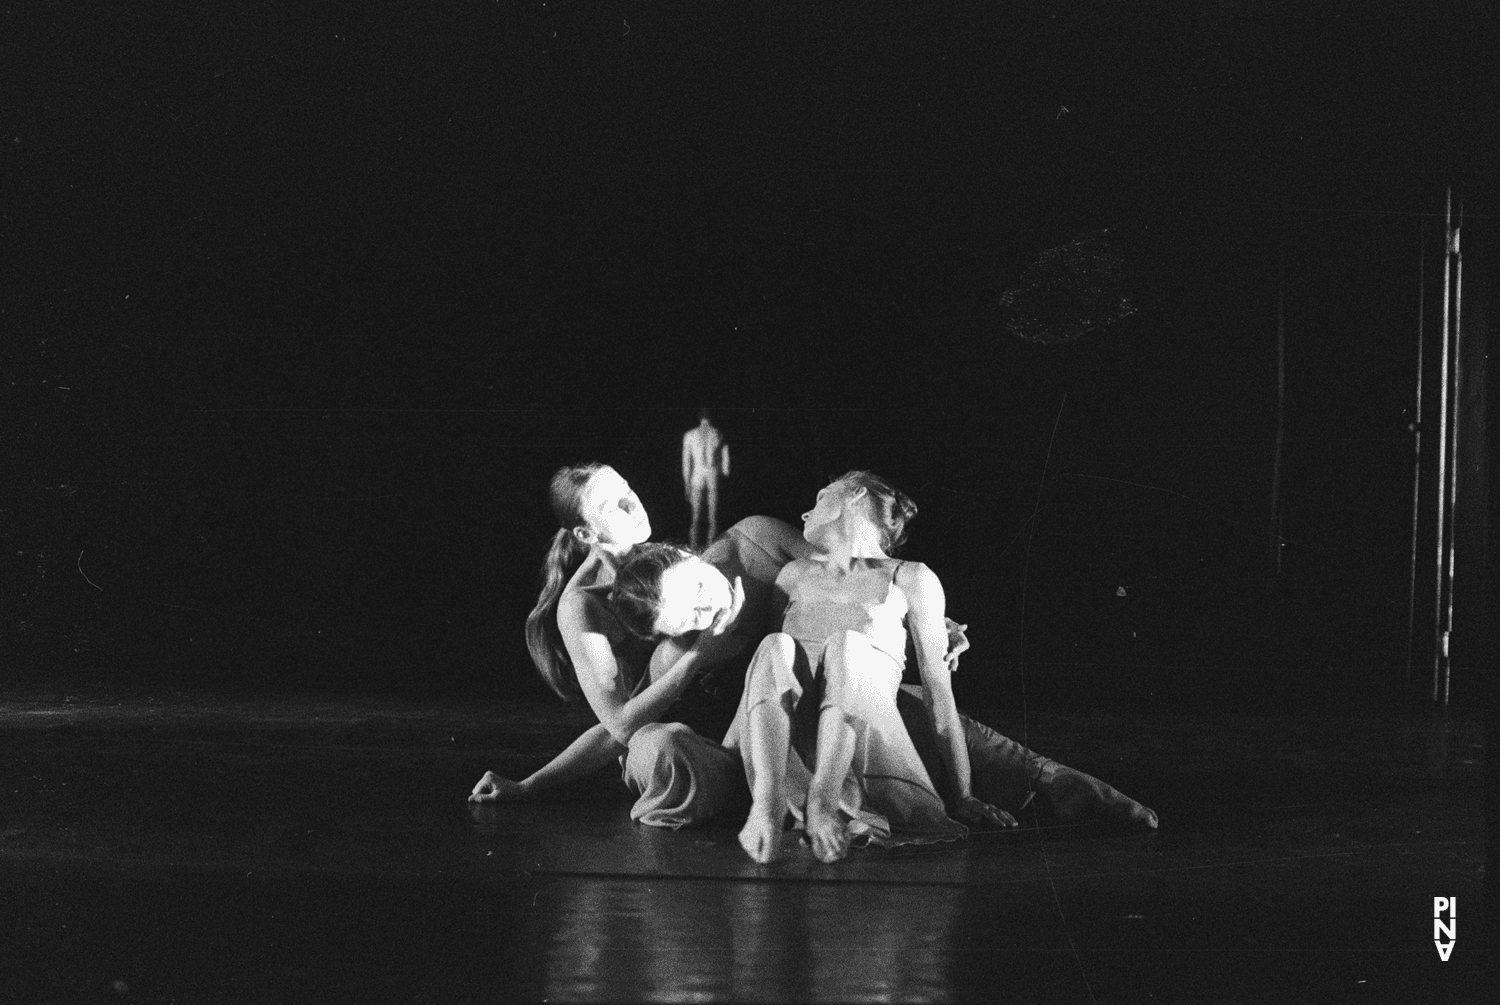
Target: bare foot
(761, 836)
(827, 830)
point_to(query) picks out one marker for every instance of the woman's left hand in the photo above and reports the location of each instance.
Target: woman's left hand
(972, 810)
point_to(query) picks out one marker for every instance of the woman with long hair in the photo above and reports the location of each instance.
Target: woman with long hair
(633, 685)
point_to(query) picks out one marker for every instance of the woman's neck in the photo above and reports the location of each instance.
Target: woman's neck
(842, 550)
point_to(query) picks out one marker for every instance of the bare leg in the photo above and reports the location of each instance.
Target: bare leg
(761, 835)
(765, 745)
(826, 827)
(695, 541)
(712, 489)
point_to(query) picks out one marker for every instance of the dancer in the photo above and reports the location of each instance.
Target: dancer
(705, 459)
(752, 552)
(818, 725)
(632, 684)
(581, 650)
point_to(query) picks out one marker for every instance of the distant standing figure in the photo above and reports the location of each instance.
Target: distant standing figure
(705, 459)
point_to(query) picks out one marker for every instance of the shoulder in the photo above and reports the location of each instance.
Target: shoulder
(915, 578)
(582, 605)
(580, 610)
(795, 570)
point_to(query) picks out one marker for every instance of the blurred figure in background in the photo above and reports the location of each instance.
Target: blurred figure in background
(705, 459)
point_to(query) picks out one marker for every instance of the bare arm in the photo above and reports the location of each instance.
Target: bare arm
(724, 460)
(924, 594)
(687, 464)
(603, 685)
(597, 746)
(585, 755)
(714, 653)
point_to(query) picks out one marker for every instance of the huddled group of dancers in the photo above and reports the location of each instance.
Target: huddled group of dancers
(770, 666)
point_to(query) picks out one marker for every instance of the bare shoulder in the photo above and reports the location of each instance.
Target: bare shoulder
(579, 610)
(916, 577)
(794, 570)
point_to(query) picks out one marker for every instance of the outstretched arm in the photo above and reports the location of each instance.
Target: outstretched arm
(924, 594)
(585, 755)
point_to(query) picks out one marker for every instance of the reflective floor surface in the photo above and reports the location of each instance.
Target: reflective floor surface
(183, 849)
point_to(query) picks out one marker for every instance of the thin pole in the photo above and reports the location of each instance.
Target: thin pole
(1458, 334)
(1437, 627)
(1416, 476)
(1280, 418)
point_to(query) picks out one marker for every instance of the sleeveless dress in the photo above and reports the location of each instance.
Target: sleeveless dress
(851, 648)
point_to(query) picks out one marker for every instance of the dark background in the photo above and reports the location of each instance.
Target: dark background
(304, 302)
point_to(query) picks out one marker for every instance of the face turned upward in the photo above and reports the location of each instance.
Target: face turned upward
(692, 594)
(834, 502)
(613, 516)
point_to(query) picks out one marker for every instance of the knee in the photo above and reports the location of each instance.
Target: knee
(653, 744)
(772, 669)
(777, 648)
(772, 674)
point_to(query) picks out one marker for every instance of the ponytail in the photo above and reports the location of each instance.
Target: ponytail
(564, 556)
(549, 654)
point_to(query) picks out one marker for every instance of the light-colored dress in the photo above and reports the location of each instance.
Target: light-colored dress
(850, 640)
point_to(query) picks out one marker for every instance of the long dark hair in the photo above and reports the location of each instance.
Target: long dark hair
(890, 508)
(564, 556)
(636, 596)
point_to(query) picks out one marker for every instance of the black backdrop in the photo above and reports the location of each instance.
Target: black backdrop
(308, 300)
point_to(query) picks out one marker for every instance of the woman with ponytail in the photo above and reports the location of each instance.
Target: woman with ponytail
(564, 555)
(582, 649)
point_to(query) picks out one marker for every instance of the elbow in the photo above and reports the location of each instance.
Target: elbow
(617, 722)
(621, 731)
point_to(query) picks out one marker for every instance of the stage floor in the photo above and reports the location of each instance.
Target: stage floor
(198, 849)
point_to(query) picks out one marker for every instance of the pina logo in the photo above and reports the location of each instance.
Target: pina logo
(1444, 929)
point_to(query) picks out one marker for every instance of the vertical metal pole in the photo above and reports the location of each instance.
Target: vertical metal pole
(1458, 300)
(1440, 640)
(1416, 477)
